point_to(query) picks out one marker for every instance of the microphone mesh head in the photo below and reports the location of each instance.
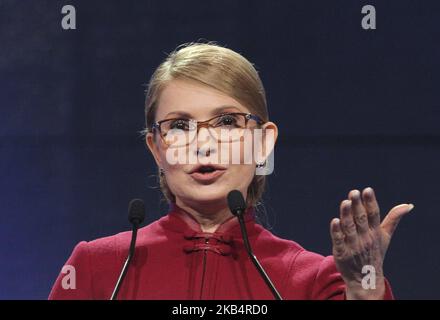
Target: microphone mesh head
(136, 211)
(236, 202)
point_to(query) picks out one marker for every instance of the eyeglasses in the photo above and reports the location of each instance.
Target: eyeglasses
(226, 127)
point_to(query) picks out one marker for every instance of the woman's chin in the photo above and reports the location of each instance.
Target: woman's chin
(208, 194)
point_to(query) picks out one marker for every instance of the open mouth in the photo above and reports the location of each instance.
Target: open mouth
(207, 173)
(206, 169)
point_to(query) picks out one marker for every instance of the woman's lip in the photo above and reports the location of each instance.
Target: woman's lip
(207, 177)
(213, 166)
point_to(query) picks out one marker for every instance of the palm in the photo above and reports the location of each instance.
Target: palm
(359, 239)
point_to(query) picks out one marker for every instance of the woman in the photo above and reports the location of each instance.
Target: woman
(196, 251)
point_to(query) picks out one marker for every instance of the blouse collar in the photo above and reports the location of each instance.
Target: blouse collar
(179, 220)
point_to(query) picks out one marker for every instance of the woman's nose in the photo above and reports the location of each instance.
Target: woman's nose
(206, 144)
(204, 152)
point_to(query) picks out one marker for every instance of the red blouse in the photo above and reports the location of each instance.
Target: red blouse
(174, 259)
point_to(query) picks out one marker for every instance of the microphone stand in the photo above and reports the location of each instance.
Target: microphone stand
(254, 259)
(127, 261)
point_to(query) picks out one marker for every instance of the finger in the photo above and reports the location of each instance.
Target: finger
(338, 238)
(372, 207)
(392, 219)
(359, 212)
(347, 223)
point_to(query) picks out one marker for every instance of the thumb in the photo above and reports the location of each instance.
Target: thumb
(390, 222)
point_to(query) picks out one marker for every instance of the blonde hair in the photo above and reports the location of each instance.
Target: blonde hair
(217, 67)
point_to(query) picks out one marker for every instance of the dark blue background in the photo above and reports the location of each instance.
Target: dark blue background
(355, 108)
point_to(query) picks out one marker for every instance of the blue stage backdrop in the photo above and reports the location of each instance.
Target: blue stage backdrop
(355, 108)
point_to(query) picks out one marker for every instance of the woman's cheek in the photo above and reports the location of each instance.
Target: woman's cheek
(242, 173)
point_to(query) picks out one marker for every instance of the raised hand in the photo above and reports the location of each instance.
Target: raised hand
(360, 239)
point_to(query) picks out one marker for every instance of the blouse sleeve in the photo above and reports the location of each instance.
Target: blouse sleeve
(75, 279)
(324, 280)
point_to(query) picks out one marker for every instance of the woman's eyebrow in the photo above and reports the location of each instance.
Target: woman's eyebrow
(179, 114)
(214, 112)
(222, 109)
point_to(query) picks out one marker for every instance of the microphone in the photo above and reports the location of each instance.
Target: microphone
(136, 214)
(237, 206)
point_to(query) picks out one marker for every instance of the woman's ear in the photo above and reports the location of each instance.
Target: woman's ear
(265, 144)
(154, 149)
(270, 136)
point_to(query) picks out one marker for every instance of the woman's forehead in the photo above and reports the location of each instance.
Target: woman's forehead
(185, 98)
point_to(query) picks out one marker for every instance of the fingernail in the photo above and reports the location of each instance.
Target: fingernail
(368, 192)
(355, 195)
(347, 204)
(410, 207)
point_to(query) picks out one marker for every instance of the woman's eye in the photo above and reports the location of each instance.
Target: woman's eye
(227, 120)
(180, 124)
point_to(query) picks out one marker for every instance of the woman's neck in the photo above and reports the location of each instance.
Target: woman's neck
(210, 217)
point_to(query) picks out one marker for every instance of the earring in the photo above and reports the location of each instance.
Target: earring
(261, 164)
(161, 172)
